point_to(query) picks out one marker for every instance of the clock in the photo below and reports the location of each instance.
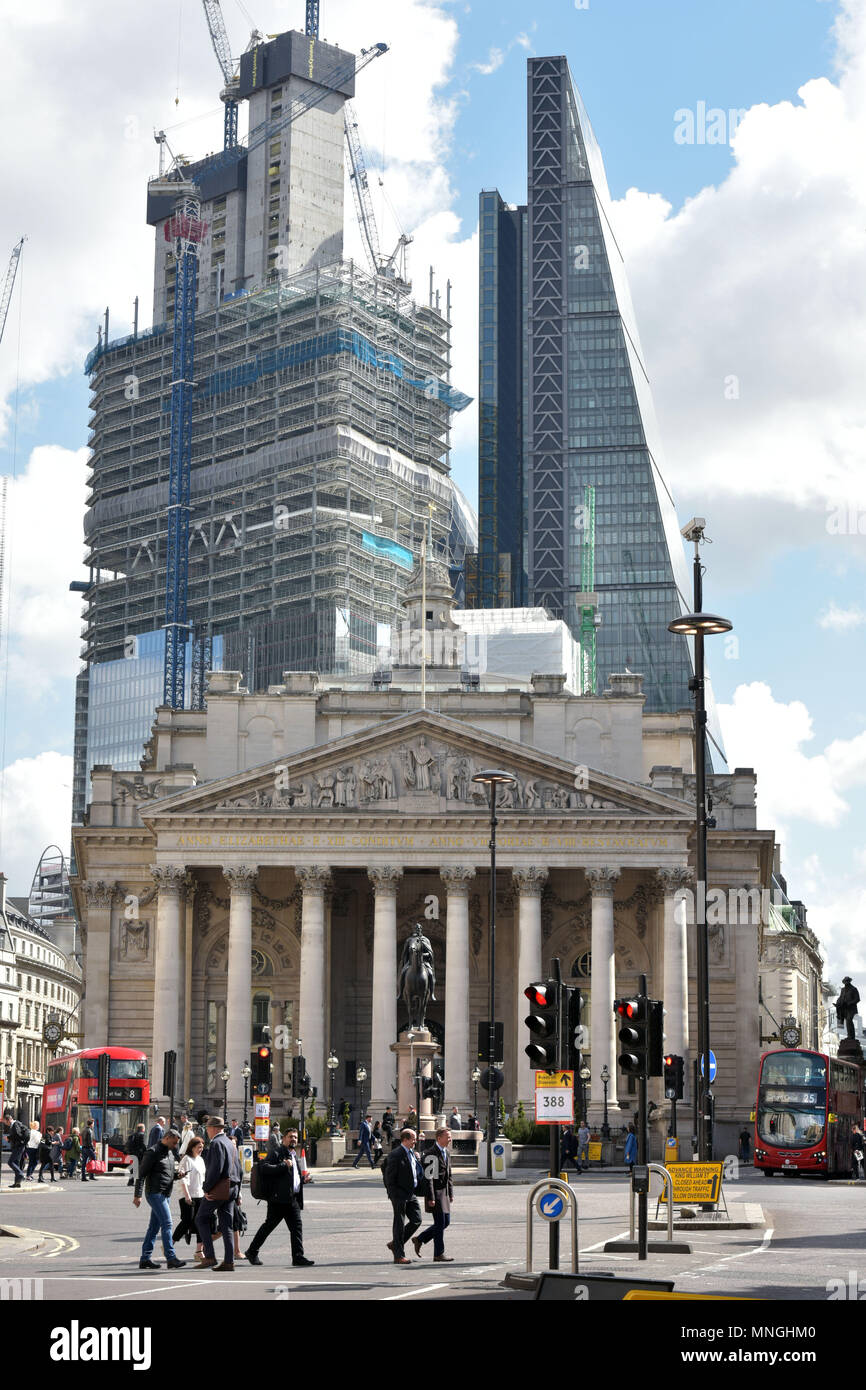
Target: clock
(52, 1033)
(791, 1035)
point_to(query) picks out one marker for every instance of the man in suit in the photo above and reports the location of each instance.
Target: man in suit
(156, 1133)
(221, 1163)
(364, 1134)
(275, 1142)
(439, 1195)
(403, 1178)
(285, 1188)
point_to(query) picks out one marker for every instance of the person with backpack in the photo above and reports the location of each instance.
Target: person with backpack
(284, 1190)
(19, 1134)
(72, 1149)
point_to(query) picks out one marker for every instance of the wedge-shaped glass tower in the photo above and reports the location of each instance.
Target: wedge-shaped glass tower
(556, 317)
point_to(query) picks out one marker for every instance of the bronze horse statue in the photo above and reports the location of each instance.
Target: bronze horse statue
(417, 977)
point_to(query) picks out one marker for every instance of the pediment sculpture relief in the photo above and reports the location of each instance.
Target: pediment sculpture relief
(417, 768)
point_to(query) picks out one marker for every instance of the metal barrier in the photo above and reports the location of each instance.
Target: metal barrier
(667, 1182)
(570, 1201)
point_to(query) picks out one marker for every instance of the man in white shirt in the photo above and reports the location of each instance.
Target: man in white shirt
(404, 1178)
(33, 1150)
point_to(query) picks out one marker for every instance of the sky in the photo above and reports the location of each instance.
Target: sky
(732, 137)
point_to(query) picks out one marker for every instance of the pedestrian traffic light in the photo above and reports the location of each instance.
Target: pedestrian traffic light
(573, 1006)
(262, 1065)
(674, 1068)
(633, 1034)
(656, 1044)
(543, 1023)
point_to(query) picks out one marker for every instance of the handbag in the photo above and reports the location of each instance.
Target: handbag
(221, 1191)
(97, 1165)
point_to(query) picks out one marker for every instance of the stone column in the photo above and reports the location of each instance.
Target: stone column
(676, 968)
(239, 984)
(171, 883)
(97, 971)
(530, 885)
(310, 1028)
(603, 983)
(458, 881)
(386, 882)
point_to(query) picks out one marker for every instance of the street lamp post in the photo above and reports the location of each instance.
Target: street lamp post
(700, 625)
(494, 778)
(246, 1073)
(360, 1078)
(333, 1063)
(476, 1077)
(605, 1081)
(585, 1075)
(226, 1077)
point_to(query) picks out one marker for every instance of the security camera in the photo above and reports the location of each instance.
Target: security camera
(694, 529)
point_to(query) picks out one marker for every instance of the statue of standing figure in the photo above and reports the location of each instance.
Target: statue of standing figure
(846, 1005)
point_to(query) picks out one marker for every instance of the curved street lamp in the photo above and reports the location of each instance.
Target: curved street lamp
(700, 625)
(493, 778)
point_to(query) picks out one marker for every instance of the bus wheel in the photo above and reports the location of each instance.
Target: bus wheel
(768, 1172)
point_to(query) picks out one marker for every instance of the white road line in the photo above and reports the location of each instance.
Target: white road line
(136, 1293)
(413, 1293)
(599, 1245)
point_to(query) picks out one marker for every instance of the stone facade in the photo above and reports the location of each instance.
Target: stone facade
(280, 846)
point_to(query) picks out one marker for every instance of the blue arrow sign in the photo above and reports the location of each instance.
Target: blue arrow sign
(712, 1067)
(551, 1206)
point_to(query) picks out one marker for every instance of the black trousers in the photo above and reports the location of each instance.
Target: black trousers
(290, 1212)
(408, 1211)
(225, 1215)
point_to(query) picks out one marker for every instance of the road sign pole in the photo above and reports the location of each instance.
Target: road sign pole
(642, 1150)
(555, 1145)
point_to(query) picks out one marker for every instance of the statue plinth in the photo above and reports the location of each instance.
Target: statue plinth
(850, 1049)
(409, 1052)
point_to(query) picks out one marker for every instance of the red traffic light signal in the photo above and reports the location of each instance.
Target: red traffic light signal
(544, 1026)
(541, 996)
(632, 1013)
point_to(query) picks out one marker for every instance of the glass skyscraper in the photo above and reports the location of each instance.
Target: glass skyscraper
(565, 402)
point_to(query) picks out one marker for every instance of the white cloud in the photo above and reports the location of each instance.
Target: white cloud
(37, 800)
(748, 286)
(842, 619)
(497, 56)
(766, 734)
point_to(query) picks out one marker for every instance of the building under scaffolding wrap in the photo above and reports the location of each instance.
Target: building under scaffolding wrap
(320, 443)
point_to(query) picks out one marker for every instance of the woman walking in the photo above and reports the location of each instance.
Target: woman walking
(72, 1148)
(191, 1177)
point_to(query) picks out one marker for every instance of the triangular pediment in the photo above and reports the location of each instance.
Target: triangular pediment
(421, 763)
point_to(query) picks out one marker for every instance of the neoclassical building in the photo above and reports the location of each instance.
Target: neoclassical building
(269, 860)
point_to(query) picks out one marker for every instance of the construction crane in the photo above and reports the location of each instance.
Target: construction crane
(395, 264)
(230, 70)
(185, 229)
(10, 284)
(587, 599)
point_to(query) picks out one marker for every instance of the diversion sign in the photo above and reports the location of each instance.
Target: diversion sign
(695, 1182)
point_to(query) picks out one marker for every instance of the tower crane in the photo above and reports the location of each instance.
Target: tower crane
(10, 284)
(220, 40)
(185, 229)
(587, 599)
(395, 264)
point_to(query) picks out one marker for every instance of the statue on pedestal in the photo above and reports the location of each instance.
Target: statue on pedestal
(846, 1005)
(417, 979)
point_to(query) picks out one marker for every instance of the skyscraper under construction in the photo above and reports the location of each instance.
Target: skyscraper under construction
(321, 408)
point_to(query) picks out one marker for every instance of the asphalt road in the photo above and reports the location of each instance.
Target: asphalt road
(813, 1244)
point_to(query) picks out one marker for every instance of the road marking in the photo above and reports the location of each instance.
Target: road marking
(726, 1259)
(136, 1293)
(428, 1288)
(599, 1245)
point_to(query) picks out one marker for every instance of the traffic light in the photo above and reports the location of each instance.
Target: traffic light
(673, 1074)
(656, 1045)
(543, 1023)
(299, 1071)
(633, 1034)
(262, 1066)
(573, 1009)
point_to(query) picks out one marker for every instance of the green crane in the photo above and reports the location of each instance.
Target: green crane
(587, 599)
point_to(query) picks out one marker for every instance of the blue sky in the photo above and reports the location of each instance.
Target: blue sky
(744, 260)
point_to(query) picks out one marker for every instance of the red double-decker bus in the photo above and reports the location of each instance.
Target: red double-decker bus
(808, 1104)
(70, 1090)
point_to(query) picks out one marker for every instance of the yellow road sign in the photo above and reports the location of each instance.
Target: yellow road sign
(695, 1182)
(594, 1152)
(555, 1079)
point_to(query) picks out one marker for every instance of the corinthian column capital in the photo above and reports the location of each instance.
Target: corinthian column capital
(675, 878)
(99, 893)
(170, 879)
(457, 879)
(530, 881)
(240, 877)
(602, 881)
(385, 879)
(314, 878)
